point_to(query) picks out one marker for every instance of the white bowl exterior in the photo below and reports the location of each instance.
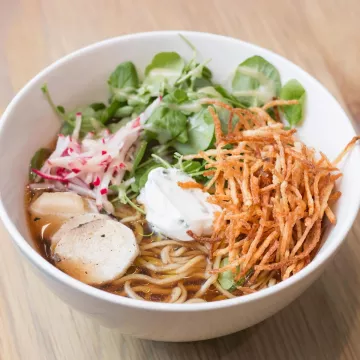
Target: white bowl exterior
(177, 326)
(80, 78)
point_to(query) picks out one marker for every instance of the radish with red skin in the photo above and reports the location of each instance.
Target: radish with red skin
(100, 162)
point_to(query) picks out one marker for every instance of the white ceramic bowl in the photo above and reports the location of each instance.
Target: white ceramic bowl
(80, 78)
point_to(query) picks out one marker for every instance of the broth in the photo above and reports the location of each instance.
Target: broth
(191, 282)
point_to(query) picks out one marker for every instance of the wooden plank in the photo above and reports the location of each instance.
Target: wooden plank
(319, 35)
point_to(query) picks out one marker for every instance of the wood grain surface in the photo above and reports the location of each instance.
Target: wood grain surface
(322, 36)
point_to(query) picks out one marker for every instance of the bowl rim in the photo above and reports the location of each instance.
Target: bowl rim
(36, 259)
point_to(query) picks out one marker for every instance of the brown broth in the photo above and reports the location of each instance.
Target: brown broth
(42, 245)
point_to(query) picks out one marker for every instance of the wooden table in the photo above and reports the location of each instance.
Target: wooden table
(322, 36)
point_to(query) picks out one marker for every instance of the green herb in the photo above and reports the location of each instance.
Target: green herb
(109, 112)
(256, 82)
(123, 198)
(227, 278)
(193, 74)
(66, 129)
(191, 166)
(114, 127)
(141, 176)
(178, 96)
(38, 161)
(224, 116)
(124, 77)
(124, 111)
(146, 235)
(59, 110)
(166, 124)
(293, 90)
(96, 106)
(200, 133)
(161, 161)
(138, 156)
(163, 71)
(227, 96)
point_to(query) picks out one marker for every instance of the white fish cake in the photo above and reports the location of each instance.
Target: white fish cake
(96, 252)
(73, 223)
(63, 204)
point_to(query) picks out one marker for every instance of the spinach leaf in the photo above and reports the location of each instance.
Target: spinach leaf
(256, 82)
(163, 71)
(124, 77)
(293, 90)
(166, 124)
(200, 133)
(38, 161)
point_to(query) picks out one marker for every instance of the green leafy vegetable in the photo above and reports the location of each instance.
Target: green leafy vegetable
(90, 115)
(97, 106)
(224, 116)
(200, 133)
(227, 96)
(226, 278)
(182, 121)
(163, 71)
(191, 166)
(123, 197)
(166, 124)
(124, 77)
(110, 111)
(142, 174)
(256, 82)
(38, 161)
(178, 96)
(114, 127)
(293, 90)
(66, 129)
(138, 156)
(59, 110)
(123, 111)
(161, 161)
(89, 122)
(194, 73)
